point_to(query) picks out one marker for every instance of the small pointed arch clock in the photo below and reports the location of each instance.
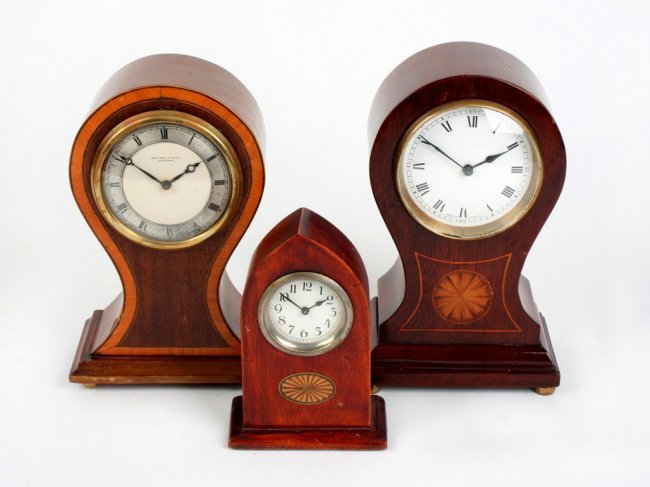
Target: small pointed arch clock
(306, 341)
(466, 165)
(167, 171)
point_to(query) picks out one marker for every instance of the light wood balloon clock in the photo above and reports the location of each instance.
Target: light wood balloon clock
(167, 171)
(466, 165)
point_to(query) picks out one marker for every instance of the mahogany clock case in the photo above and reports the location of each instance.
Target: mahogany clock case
(177, 318)
(509, 345)
(294, 401)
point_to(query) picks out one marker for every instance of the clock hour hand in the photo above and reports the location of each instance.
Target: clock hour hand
(490, 159)
(129, 162)
(440, 150)
(190, 168)
(318, 303)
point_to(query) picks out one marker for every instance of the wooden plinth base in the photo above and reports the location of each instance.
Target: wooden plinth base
(373, 438)
(91, 370)
(526, 366)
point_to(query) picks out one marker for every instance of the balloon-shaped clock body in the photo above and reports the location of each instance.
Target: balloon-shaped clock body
(306, 340)
(466, 165)
(167, 171)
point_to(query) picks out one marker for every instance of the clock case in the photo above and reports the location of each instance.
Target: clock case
(341, 413)
(509, 345)
(177, 319)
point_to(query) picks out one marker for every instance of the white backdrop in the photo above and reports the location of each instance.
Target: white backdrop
(314, 68)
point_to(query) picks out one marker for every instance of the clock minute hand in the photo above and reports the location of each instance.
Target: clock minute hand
(441, 151)
(287, 298)
(490, 159)
(129, 162)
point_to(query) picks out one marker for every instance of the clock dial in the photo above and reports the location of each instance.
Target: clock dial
(305, 313)
(165, 179)
(468, 169)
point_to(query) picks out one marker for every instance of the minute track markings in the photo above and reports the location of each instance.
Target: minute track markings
(181, 161)
(462, 198)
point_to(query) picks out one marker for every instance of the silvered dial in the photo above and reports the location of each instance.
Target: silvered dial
(468, 170)
(166, 181)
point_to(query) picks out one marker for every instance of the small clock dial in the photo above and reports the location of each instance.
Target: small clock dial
(468, 170)
(305, 313)
(166, 178)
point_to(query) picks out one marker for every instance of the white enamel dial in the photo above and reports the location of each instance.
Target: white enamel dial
(468, 169)
(165, 179)
(305, 313)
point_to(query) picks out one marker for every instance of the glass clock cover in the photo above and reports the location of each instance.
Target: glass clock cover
(166, 178)
(305, 313)
(468, 169)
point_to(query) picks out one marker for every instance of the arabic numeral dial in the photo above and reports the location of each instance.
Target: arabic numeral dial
(305, 313)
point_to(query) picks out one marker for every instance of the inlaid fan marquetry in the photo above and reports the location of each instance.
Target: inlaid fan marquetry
(307, 388)
(462, 296)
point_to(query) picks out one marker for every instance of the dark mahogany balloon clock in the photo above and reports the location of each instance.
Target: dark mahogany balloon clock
(167, 171)
(306, 341)
(466, 165)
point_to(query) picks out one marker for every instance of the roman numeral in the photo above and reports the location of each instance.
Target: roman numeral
(423, 188)
(114, 185)
(517, 169)
(212, 157)
(137, 140)
(472, 121)
(446, 126)
(489, 207)
(463, 213)
(142, 226)
(220, 182)
(418, 165)
(122, 207)
(163, 133)
(508, 192)
(440, 205)
(214, 207)
(170, 233)
(190, 142)
(513, 145)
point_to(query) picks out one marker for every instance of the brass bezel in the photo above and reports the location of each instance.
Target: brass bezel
(304, 349)
(179, 118)
(486, 229)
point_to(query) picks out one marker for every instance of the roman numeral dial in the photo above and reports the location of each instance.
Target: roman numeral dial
(468, 170)
(165, 181)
